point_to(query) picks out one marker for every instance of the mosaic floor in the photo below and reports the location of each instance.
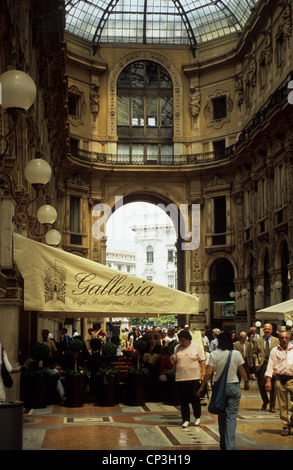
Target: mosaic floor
(153, 427)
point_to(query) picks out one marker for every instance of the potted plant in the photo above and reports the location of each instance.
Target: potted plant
(141, 346)
(109, 352)
(40, 353)
(136, 376)
(108, 375)
(93, 364)
(76, 347)
(34, 377)
(75, 378)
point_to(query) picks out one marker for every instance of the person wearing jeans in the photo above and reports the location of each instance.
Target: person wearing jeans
(227, 420)
(280, 366)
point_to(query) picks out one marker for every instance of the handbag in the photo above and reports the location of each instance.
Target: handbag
(6, 377)
(217, 402)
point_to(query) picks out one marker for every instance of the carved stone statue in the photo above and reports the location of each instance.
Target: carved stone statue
(95, 101)
(194, 102)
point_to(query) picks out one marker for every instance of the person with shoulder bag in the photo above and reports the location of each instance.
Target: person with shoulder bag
(5, 369)
(227, 416)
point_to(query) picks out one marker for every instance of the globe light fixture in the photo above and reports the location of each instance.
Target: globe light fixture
(18, 90)
(37, 172)
(53, 237)
(47, 214)
(17, 94)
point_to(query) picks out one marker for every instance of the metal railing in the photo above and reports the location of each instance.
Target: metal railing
(276, 99)
(168, 160)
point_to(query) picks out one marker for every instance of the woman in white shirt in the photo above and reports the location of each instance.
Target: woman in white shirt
(227, 420)
(189, 359)
(3, 358)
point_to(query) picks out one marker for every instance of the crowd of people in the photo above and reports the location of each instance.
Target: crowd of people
(265, 358)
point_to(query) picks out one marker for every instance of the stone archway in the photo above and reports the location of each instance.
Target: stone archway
(173, 211)
(222, 275)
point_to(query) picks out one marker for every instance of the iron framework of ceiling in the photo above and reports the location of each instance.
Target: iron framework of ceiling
(156, 21)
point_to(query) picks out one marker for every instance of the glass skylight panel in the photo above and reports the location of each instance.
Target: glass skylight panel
(163, 21)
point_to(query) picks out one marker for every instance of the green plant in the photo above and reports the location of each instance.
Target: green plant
(109, 352)
(78, 371)
(107, 370)
(76, 346)
(140, 371)
(40, 351)
(141, 345)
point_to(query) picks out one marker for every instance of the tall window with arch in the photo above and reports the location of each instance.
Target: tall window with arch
(145, 114)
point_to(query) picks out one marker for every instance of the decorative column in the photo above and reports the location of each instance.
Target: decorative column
(10, 295)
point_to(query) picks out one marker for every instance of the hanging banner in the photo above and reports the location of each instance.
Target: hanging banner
(58, 281)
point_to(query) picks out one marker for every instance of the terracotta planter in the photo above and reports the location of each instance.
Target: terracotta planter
(74, 389)
(106, 391)
(136, 385)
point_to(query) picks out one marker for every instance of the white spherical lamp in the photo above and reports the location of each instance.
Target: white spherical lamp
(38, 171)
(53, 237)
(18, 90)
(47, 214)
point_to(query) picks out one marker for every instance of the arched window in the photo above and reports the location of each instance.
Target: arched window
(149, 254)
(145, 114)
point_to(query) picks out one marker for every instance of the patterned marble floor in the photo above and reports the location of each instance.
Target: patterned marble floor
(155, 427)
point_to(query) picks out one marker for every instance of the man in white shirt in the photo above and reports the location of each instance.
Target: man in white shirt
(280, 365)
(214, 342)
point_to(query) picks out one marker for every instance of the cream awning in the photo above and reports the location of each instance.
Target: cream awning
(282, 311)
(57, 281)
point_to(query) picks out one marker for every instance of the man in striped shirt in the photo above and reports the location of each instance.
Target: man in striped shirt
(280, 365)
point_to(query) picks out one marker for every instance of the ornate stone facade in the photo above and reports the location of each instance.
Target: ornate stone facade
(232, 155)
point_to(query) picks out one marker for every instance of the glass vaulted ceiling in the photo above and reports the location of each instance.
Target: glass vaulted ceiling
(174, 22)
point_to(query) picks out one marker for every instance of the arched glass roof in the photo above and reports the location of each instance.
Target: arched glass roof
(174, 22)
